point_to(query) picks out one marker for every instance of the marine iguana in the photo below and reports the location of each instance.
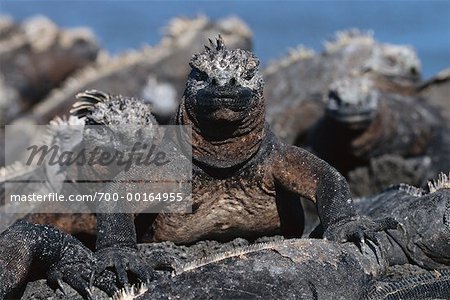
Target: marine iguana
(295, 83)
(123, 115)
(362, 123)
(93, 108)
(36, 56)
(318, 269)
(245, 182)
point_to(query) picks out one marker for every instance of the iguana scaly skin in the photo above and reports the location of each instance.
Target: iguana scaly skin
(295, 83)
(29, 251)
(317, 269)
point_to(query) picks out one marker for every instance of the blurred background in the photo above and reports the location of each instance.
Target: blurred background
(277, 25)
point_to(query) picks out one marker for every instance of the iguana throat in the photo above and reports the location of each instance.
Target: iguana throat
(222, 144)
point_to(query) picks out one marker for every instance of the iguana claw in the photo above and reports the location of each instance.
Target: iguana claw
(123, 260)
(358, 230)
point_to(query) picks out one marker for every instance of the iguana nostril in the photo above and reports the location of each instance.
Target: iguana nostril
(333, 96)
(233, 81)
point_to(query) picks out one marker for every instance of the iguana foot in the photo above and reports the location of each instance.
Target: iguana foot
(65, 259)
(358, 229)
(75, 268)
(123, 260)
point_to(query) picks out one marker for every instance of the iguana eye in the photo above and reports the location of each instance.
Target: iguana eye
(249, 74)
(391, 61)
(200, 75)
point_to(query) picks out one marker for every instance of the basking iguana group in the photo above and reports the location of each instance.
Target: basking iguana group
(245, 183)
(350, 103)
(363, 125)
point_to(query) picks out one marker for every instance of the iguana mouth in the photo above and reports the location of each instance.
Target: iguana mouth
(236, 99)
(361, 118)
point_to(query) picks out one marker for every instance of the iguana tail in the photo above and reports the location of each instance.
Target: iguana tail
(430, 285)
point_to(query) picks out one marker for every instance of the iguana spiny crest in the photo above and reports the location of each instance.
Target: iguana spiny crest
(101, 108)
(123, 121)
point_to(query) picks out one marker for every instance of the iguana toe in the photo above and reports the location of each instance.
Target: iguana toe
(125, 261)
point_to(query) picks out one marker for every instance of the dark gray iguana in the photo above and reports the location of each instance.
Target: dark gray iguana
(309, 268)
(245, 182)
(93, 108)
(362, 125)
(46, 244)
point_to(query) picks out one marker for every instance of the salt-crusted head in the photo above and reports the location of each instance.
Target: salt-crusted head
(114, 121)
(224, 85)
(352, 101)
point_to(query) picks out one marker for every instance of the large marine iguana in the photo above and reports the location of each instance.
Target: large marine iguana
(123, 115)
(245, 182)
(362, 123)
(305, 268)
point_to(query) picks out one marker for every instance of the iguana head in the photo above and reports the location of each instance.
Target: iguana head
(224, 85)
(395, 61)
(113, 120)
(352, 102)
(223, 101)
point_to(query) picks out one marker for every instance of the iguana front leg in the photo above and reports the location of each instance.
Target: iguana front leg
(304, 174)
(116, 247)
(63, 257)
